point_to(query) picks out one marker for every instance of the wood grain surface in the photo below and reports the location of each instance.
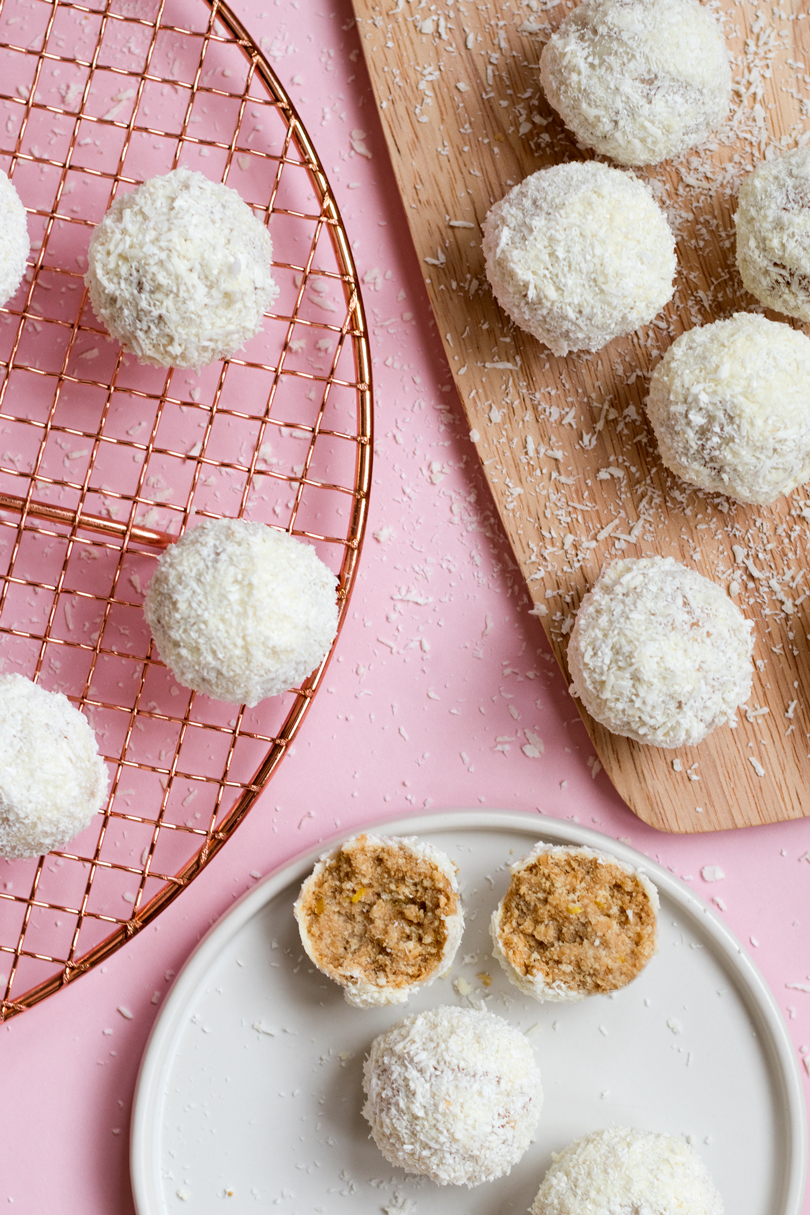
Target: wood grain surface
(564, 442)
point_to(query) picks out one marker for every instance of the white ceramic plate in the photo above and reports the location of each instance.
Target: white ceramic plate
(249, 1097)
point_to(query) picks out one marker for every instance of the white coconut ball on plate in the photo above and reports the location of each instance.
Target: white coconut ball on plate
(179, 271)
(452, 1094)
(14, 242)
(579, 254)
(658, 653)
(730, 407)
(773, 233)
(622, 1170)
(241, 611)
(638, 80)
(52, 778)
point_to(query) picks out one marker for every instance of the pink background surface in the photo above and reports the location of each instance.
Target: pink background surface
(440, 682)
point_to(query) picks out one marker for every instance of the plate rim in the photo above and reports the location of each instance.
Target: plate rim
(146, 1123)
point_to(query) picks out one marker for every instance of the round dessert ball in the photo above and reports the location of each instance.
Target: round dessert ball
(623, 1170)
(14, 242)
(574, 922)
(52, 778)
(452, 1094)
(658, 653)
(179, 271)
(773, 233)
(578, 254)
(240, 611)
(638, 80)
(381, 916)
(730, 407)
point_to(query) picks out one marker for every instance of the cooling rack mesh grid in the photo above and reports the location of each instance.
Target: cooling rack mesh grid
(103, 462)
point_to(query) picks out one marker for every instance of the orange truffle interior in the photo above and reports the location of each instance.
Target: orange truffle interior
(578, 920)
(377, 912)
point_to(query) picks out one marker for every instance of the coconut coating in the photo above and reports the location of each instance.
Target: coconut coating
(658, 653)
(574, 922)
(638, 80)
(381, 916)
(452, 1094)
(773, 233)
(730, 407)
(620, 1170)
(179, 271)
(52, 778)
(14, 242)
(578, 254)
(241, 611)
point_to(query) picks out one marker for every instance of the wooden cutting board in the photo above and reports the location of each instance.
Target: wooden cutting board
(564, 442)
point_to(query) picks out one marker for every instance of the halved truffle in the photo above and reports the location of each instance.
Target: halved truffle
(381, 916)
(574, 922)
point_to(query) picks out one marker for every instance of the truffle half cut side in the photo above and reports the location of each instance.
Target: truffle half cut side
(453, 1094)
(574, 922)
(660, 654)
(621, 1170)
(381, 916)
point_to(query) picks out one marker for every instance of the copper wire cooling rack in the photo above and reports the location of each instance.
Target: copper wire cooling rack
(103, 462)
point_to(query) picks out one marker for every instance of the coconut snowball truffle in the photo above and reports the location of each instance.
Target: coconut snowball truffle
(621, 1170)
(638, 80)
(381, 916)
(574, 922)
(658, 653)
(179, 271)
(240, 611)
(52, 778)
(773, 233)
(14, 242)
(730, 407)
(452, 1094)
(578, 254)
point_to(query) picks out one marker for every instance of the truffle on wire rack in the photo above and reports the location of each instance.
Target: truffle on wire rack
(638, 80)
(658, 653)
(579, 254)
(179, 271)
(14, 242)
(52, 778)
(773, 233)
(574, 922)
(621, 1170)
(452, 1094)
(381, 916)
(241, 611)
(730, 407)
